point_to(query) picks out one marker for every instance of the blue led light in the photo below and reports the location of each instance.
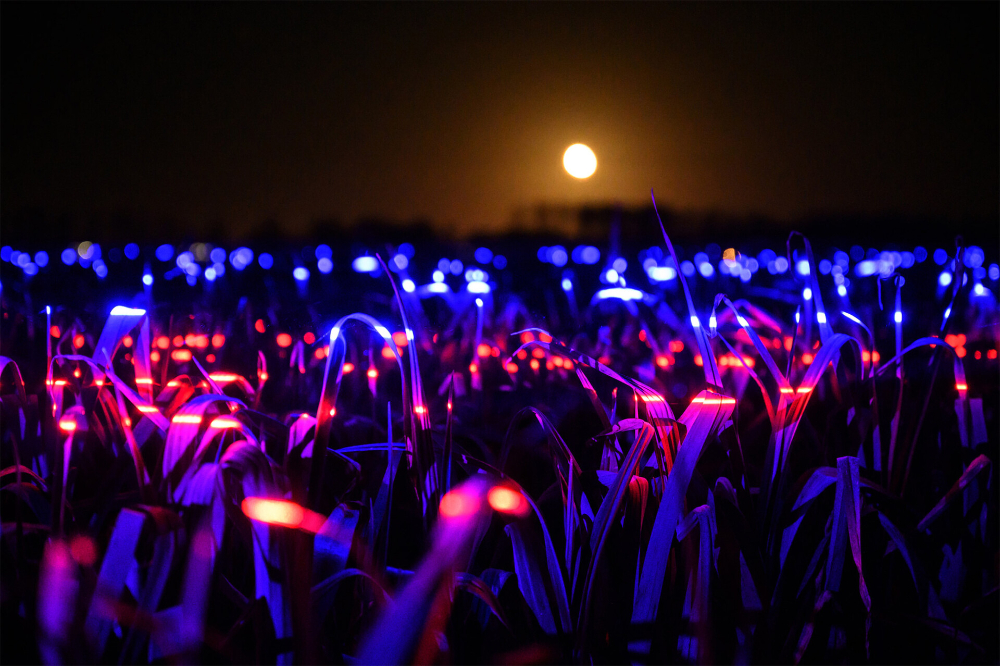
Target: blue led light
(478, 287)
(42, 258)
(842, 291)
(165, 252)
(611, 276)
(324, 265)
(944, 279)
(558, 256)
(100, 269)
(5, 253)
(191, 280)
(940, 256)
(68, 256)
(437, 276)
(780, 265)
(30, 268)
(661, 273)
(499, 262)
(265, 260)
(825, 266)
(687, 268)
(323, 251)
(407, 250)
(438, 288)
(706, 269)
(147, 279)
(220, 269)
(365, 264)
(807, 294)
(301, 273)
(484, 255)
(802, 267)
(399, 262)
(994, 272)
(456, 266)
(567, 284)
(210, 274)
(408, 286)
(217, 255)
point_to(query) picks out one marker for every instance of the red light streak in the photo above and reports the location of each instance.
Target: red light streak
(803, 389)
(786, 390)
(224, 377)
(420, 409)
(224, 422)
(147, 409)
(962, 387)
(191, 419)
(143, 381)
(273, 512)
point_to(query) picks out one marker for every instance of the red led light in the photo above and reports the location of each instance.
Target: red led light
(178, 341)
(372, 373)
(284, 340)
(55, 332)
(399, 337)
(458, 503)
(273, 512)
(218, 340)
(127, 341)
(78, 340)
(259, 325)
(348, 368)
(387, 353)
(507, 500)
(511, 366)
(181, 355)
(163, 342)
(309, 338)
(154, 356)
(483, 350)
(67, 424)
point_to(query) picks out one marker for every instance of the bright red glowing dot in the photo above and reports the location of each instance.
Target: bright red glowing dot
(419, 409)
(511, 366)
(558, 361)
(642, 335)
(538, 352)
(201, 341)
(979, 355)
(506, 500)
(163, 342)
(68, 424)
(991, 354)
(699, 361)
(83, 551)
(495, 353)
(76, 373)
(372, 373)
(483, 350)
(788, 344)
(178, 341)
(522, 354)
(127, 341)
(960, 387)
(78, 340)
(191, 340)
(960, 352)
(676, 346)
(534, 364)
(320, 353)
(333, 411)
(55, 332)
(662, 361)
(309, 338)
(223, 422)
(154, 356)
(210, 358)
(473, 368)
(527, 336)
(273, 512)
(387, 353)
(259, 325)
(284, 340)
(458, 503)
(399, 337)
(807, 359)
(875, 357)
(348, 368)
(218, 340)
(181, 355)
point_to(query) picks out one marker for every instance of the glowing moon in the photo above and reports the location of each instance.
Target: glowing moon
(580, 161)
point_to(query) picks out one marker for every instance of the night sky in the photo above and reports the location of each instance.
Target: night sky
(230, 114)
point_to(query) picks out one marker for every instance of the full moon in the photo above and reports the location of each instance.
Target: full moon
(580, 161)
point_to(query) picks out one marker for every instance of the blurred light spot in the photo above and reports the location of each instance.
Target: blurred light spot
(484, 255)
(78, 340)
(372, 373)
(181, 355)
(284, 340)
(348, 368)
(301, 273)
(499, 262)
(323, 251)
(458, 503)
(944, 279)
(408, 286)
(259, 325)
(189, 419)
(456, 267)
(83, 550)
(940, 256)
(265, 260)
(324, 265)
(478, 288)
(507, 500)
(273, 512)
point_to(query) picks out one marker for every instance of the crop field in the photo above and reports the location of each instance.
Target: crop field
(665, 455)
